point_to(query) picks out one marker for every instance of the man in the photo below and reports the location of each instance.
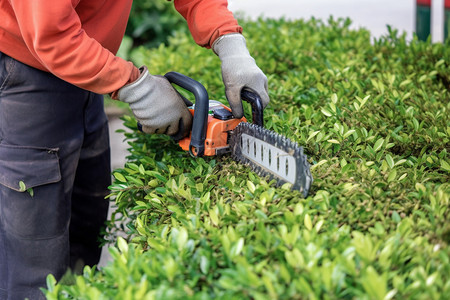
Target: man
(56, 59)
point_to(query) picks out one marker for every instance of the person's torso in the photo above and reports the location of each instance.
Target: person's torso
(103, 20)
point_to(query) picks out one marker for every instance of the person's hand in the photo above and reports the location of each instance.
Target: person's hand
(239, 71)
(157, 105)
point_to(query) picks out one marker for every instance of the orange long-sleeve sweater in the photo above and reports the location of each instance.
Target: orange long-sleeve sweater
(76, 40)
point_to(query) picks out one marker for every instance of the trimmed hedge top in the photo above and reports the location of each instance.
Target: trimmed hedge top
(372, 116)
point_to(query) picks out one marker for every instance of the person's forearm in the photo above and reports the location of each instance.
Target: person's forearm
(207, 20)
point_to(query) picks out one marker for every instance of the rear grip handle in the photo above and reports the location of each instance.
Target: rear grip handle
(200, 121)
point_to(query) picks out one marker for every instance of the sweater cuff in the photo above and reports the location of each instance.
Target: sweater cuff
(135, 73)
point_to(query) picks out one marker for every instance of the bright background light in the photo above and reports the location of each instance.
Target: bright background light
(373, 15)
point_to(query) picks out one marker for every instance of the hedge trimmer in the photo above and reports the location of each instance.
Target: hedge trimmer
(215, 131)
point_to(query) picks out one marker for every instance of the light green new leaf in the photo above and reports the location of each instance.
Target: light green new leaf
(204, 264)
(378, 144)
(308, 222)
(374, 284)
(445, 165)
(390, 161)
(119, 177)
(326, 112)
(22, 186)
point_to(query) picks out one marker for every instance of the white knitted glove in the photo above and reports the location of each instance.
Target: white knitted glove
(157, 105)
(239, 70)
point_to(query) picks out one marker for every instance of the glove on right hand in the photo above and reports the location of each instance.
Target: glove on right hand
(157, 105)
(239, 70)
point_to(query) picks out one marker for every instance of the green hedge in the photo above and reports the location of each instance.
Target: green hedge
(152, 22)
(373, 118)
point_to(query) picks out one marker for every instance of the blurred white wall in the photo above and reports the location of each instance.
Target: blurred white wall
(373, 15)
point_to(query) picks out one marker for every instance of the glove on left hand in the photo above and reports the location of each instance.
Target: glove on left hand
(157, 105)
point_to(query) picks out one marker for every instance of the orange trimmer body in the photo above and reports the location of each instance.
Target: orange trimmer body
(217, 132)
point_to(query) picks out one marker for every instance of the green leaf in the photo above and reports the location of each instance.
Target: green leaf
(374, 284)
(307, 221)
(161, 190)
(214, 217)
(323, 161)
(432, 279)
(237, 248)
(251, 186)
(119, 177)
(364, 246)
(141, 169)
(396, 217)
(405, 82)
(399, 162)
(22, 186)
(392, 175)
(378, 144)
(30, 191)
(122, 245)
(348, 133)
(312, 134)
(319, 225)
(182, 238)
(260, 214)
(334, 98)
(204, 264)
(420, 187)
(402, 177)
(445, 165)
(326, 112)
(390, 161)
(51, 283)
(170, 268)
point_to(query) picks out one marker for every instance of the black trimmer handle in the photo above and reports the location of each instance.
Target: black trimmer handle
(256, 104)
(200, 122)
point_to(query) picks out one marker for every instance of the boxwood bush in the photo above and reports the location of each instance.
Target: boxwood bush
(372, 115)
(151, 22)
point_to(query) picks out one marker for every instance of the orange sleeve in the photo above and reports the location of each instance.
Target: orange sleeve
(54, 35)
(207, 19)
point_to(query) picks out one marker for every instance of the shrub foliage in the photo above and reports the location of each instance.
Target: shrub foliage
(372, 116)
(152, 22)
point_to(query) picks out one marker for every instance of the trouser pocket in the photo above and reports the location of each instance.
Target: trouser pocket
(6, 67)
(32, 203)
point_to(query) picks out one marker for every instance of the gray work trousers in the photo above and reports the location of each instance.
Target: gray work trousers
(54, 174)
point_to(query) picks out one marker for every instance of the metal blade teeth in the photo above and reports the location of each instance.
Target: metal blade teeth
(303, 178)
